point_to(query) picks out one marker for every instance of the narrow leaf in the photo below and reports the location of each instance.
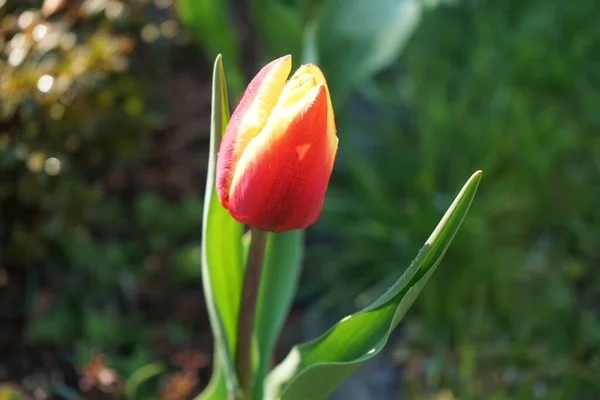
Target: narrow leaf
(279, 281)
(222, 266)
(217, 387)
(313, 370)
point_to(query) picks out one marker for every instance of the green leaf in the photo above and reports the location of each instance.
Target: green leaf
(362, 39)
(222, 267)
(279, 281)
(313, 370)
(209, 19)
(217, 387)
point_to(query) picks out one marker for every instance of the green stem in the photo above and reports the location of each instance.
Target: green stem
(247, 313)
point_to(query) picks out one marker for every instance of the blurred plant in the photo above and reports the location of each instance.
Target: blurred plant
(88, 226)
(216, 32)
(319, 31)
(511, 87)
(45, 63)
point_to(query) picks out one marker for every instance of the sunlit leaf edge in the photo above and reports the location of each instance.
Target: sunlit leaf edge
(407, 287)
(223, 369)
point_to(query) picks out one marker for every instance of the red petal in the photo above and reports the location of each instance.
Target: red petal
(264, 88)
(281, 183)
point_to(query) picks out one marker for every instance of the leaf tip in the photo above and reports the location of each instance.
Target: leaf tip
(218, 66)
(475, 178)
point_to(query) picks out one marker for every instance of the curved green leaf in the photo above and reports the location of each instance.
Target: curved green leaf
(222, 267)
(313, 370)
(281, 271)
(217, 387)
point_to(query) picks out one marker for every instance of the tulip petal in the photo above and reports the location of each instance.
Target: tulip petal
(249, 118)
(317, 74)
(280, 180)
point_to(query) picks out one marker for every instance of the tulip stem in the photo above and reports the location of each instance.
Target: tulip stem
(247, 311)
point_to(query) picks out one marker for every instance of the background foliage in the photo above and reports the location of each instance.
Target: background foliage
(102, 153)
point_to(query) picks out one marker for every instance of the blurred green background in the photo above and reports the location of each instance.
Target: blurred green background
(104, 112)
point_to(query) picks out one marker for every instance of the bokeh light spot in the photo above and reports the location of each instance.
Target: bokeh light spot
(26, 19)
(19, 40)
(169, 28)
(150, 33)
(35, 162)
(163, 3)
(45, 83)
(114, 10)
(16, 57)
(39, 32)
(52, 166)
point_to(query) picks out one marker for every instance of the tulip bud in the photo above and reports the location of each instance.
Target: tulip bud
(278, 150)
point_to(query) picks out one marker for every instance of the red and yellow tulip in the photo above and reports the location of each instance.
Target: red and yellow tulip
(279, 148)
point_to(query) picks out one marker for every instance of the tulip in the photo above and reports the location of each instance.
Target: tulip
(276, 156)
